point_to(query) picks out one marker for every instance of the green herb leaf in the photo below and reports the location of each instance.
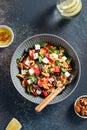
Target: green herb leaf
(20, 59)
(41, 56)
(62, 73)
(40, 59)
(42, 44)
(33, 78)
(63, 70)
(49, 70)
(68, 60)
(57, 51)
(28, 89)
(57, 63)
(51, 49)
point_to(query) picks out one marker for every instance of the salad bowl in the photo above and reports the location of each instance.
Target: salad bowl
(53, 40)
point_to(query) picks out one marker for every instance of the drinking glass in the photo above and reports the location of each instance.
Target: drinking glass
(69, 8)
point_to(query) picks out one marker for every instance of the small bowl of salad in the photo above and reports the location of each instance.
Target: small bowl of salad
(43, 63)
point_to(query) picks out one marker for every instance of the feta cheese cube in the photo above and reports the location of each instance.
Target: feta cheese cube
(45, 60)
(31, 71)
(64, 58)
(38, 92)
(55, 55)
(67, 74)
(24, 71)
(27, 62)
(37, 47)
(36, 56)
(29, 81)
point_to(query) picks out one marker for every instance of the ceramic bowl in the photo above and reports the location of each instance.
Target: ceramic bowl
(6, 36)
(80, 108)
(56, 41)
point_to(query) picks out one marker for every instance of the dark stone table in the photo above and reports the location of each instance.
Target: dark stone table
(26, 18)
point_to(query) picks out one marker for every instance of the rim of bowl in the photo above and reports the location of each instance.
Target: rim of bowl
(11, 31)
(83, 117)
(53, 35)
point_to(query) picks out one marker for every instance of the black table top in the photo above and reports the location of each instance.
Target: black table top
(26, 18)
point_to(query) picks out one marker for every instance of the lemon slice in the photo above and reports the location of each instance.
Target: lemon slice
(72, 13)
(67, 4)
(14, 124)
(74, 7)
(59, 8)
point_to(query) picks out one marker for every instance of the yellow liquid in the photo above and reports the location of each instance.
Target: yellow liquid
(5, 36)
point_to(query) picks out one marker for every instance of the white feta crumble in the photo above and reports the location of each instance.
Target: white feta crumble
(51, 80)
(55, 55)
(45, 60)
(31, 71)
(64, 58)
(37, 47)
(23, 72)
(36, 56)
(67, 74)
(27, 62)
(29, 81)
(38, 92)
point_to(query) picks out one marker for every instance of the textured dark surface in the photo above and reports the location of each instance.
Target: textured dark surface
(29, 17)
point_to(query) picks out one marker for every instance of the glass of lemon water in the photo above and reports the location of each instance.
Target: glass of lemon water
(69, 8)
